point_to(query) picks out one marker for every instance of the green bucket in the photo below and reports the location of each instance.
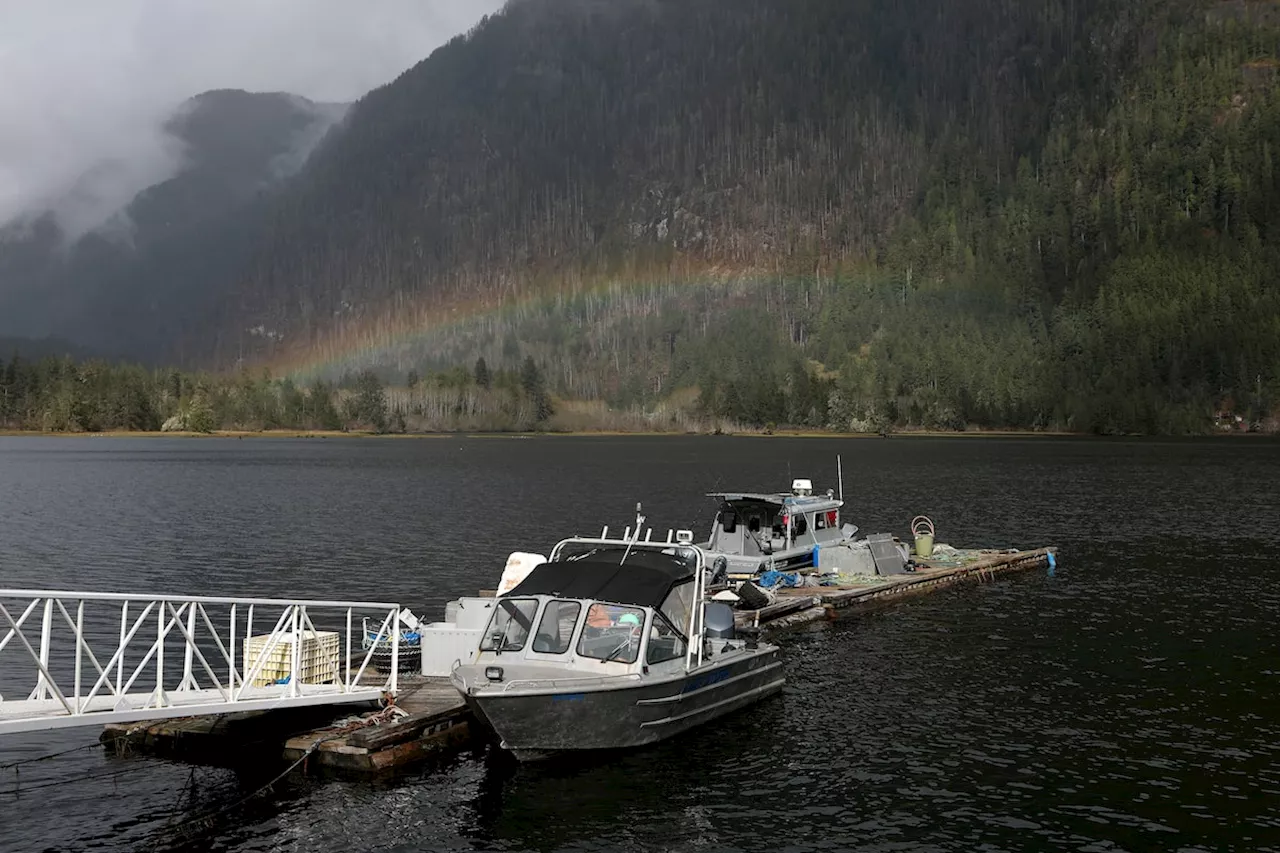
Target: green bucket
(922, 530)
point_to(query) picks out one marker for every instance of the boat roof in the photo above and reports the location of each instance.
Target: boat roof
(644, 579)
(802, 501)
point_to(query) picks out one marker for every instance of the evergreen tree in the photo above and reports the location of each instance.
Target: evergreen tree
(368, 403)
(532, 384)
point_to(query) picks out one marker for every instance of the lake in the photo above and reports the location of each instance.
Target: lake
(1127, 701)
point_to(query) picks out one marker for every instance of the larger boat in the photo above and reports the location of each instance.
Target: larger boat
(612, 643)
(754, 533)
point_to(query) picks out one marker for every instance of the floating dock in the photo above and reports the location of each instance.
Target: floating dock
(798, 605)
(436, 719)
(432, 719)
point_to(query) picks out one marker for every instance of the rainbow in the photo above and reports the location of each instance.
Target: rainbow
(403, 338)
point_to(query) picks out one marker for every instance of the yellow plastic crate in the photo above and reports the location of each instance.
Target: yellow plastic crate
(318, 663)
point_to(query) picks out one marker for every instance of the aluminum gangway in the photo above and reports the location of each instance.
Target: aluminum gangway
(90, 658)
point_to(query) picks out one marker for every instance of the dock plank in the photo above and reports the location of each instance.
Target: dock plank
(432, 704)
(782, 607)
(438, 720)
(885, 589)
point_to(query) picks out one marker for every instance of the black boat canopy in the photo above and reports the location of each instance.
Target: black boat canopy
(644, 579)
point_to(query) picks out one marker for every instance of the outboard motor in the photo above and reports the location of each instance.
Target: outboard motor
(719, 571)
(718, 621)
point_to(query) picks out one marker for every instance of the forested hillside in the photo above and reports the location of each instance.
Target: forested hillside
(562, 142)
(1044, 213)
(846, 214)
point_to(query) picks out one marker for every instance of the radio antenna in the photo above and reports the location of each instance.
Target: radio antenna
(635, 538)
(840, 476)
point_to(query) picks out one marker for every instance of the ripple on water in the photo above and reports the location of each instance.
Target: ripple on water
(1121, 704)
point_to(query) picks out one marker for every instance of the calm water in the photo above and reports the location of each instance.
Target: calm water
(1128, 702)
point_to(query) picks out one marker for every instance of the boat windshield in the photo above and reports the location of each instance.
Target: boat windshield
(555, 631)
(510, 626)
(612, 633)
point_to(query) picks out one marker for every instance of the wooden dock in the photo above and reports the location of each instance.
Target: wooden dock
(799, 605)
(432, 718)
(353, 738)
(436, 720)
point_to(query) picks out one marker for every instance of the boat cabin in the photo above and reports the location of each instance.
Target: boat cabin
(612, 643)
(759, 532)
(607, 606)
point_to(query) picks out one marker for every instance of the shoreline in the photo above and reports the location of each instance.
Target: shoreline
(777, 433)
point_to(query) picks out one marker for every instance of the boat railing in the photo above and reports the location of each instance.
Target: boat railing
(87, 658)
(673, 540)
(697, 619)
(558, 683)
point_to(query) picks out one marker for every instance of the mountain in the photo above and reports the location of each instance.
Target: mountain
(827, 213)
(563, 142)
(137, 284)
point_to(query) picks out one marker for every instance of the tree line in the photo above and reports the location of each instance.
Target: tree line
(63, 395)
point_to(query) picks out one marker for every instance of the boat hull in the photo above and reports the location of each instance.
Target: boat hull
(622, 713)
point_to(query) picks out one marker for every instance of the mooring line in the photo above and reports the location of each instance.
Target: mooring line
(385, 715)
(18, 791)
(23, 761)
(16, 766)
(207, 819)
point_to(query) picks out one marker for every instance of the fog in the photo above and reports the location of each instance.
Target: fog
(88, 84)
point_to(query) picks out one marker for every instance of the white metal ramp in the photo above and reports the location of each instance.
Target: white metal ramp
(87, 658)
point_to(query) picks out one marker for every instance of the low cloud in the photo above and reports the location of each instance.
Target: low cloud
(88, 84)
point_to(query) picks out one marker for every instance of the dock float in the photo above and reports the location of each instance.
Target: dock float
(432, 719)
(436, 719)
(800, 605)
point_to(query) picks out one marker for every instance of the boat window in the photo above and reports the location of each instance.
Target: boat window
(555, 631)
(510, 626)
(678, 605)
(612, 633)
(819, 521)
(665, 642)
(729, 521)
(799, 525)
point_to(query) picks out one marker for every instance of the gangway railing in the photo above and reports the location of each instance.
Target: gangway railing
(89, 658)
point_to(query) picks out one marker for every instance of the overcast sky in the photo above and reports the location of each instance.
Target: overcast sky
(87, 82)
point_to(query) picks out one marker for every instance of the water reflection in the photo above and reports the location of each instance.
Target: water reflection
(1123, 703)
